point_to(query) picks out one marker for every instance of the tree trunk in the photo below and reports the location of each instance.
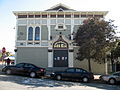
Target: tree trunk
(89, 65)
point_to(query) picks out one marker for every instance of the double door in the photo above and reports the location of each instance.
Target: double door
(60, 58)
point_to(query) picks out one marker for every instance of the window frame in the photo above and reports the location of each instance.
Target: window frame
(37, 33)
(30, 33)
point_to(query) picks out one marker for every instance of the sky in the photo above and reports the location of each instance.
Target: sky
(8, 20)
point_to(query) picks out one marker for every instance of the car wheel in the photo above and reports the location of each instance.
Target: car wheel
(85, 79)
(32, 74)
(112, 81)
(58, 77)
(8, 71)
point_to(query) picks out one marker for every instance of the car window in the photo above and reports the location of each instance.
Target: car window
(20, 65)
(29, 65)
(117, 74)
(70, 70)
(81, 71)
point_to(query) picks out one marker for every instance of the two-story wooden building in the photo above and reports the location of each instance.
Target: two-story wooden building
(45, 38)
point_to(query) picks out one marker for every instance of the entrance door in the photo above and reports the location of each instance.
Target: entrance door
(60, 58)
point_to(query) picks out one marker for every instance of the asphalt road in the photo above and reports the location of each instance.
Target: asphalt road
(13, 82)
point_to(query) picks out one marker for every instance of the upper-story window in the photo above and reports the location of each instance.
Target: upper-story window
(67, 16)
(53, 16)
(22, 16)
(90, 15)
(37, 33)
(37, 16)
(60, 26)
(44, 16)
(31, 16)
(30, 33)
(100, 16)
(83, 15)
(60, 16)
(76, 16)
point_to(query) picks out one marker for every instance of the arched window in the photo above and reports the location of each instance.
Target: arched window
(30, 33)
(37, 33)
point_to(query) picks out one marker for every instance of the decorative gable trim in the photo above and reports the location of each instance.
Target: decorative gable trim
(59, 7)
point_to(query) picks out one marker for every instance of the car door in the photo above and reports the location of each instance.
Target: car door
(117, 76)
(18, 69)
(69, 73)
(28, 68)
(78, 73)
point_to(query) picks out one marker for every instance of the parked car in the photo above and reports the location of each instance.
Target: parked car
(73, 73)
(111, 79)
(24, 69)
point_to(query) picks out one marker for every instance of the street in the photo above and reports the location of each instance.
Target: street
(13, 82)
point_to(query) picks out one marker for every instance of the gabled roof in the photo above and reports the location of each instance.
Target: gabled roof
(59, 7)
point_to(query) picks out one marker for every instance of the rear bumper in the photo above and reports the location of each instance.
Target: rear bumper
(52, 75)
(41, 74)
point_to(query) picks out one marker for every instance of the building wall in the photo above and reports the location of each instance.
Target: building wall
(35, 55)
(76, 27)
(21, 33)
(65, 32)
(44, 32)
(96, 67)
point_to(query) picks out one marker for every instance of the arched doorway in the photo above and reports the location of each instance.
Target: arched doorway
(60, 53)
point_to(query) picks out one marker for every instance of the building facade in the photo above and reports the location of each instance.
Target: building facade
(46, 38)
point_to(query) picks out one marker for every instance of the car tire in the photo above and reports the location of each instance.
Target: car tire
(58, 77)
(8, 71)
(85, 79)
(32, 74)
(112, 81)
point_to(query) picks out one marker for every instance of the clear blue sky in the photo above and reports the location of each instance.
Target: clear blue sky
(8, 20)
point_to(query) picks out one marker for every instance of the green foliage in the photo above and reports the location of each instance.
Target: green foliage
(116, 52)
(93, 39)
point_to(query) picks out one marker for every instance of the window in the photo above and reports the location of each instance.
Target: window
(99, 16)
(70, 70)
(60, 26)
(60, 16)
(30, 33)
(22, 16)
(81, 71)
(19, 65)
(90, 15)
(44, 16)
(37, 16)
(53, 16)
(29, 66)
(37, 33)
(76, 16)
(83, 15)
(31, 16)
(68, 16)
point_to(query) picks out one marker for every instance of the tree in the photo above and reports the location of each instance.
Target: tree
(93, 38)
